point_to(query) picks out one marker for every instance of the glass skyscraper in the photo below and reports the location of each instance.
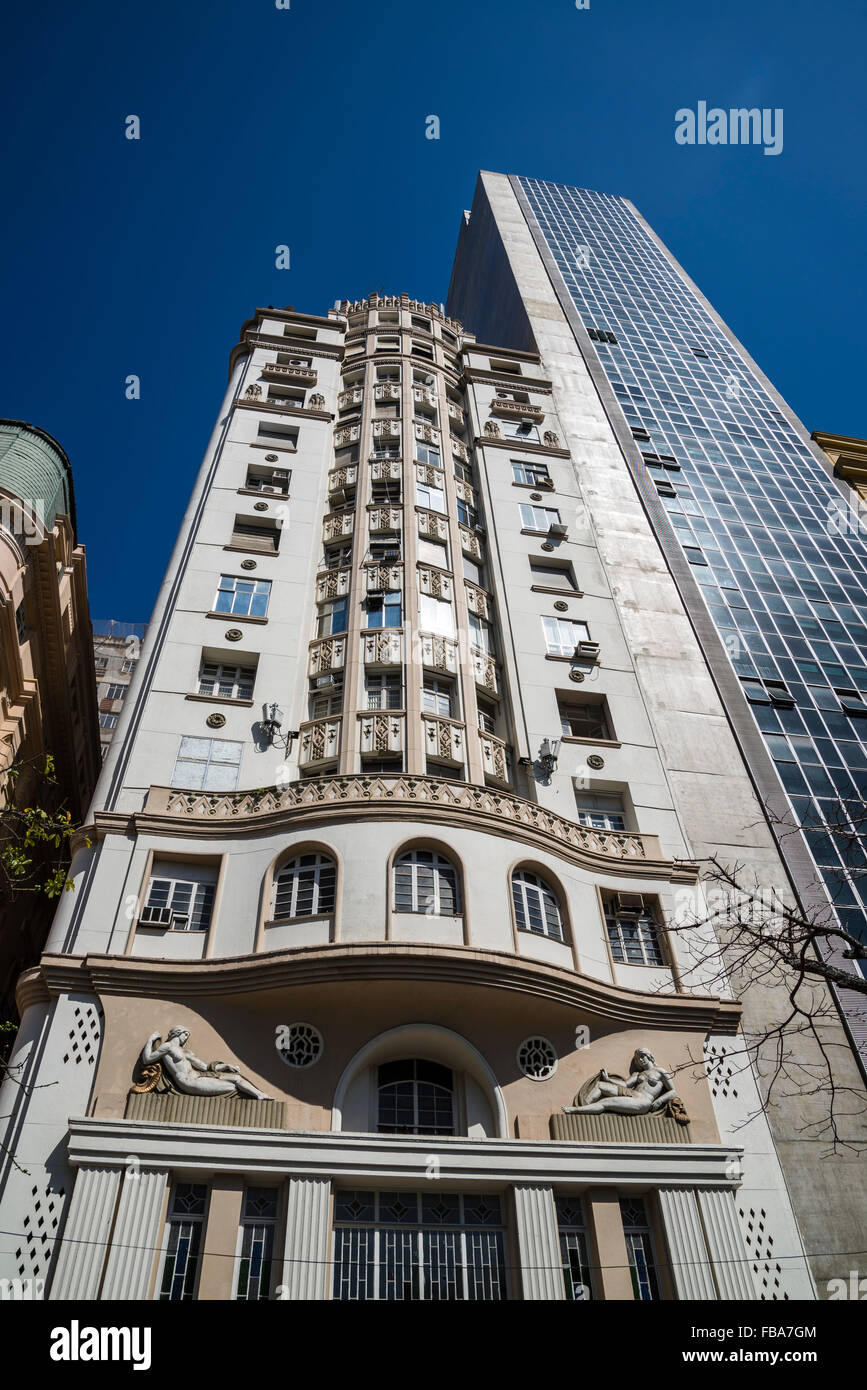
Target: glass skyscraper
(755, 528)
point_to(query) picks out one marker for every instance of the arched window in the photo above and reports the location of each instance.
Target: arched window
(536, 905)
(425, 881)
(415, 1097)
(305, 887)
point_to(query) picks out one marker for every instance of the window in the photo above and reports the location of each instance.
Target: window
(383, 450)
(21, 629)
(553, 575)
(388, 344)
(463, 471)
(487, 716)
(473, 571)
(383, 490)
(336, 557)
(520, 429)
(384, 692)
(481, 635)
(531, 474)
(387, 549)
(426, 453)
(604, 811)
(108, 721)
(267, 480)
(639, 1246)
(285, 436)
(116, 692)
(100, 662)
(467, 515)
(851, 702)
(536, 905)
(601, 335)
(229, 682)
(186, 1219)
(694, 554)
(632, 930)
(437, 1246)
(767, 692)
(305, 887)
(573, 1249)
(384, 610)
(128, 664)
(180, 897)
(431, 497)
(388, 766)
(415, 1097)
(539, 518)
(433, 553)
(326, 706)
(243, 597)
(511, 368)
(583, 718)
(332, 617)
(425, 881)
(562, 635)
(437, 697)
(446, 772)
(256, 535)
(207, 764)
(257, 1244)
(436, 615)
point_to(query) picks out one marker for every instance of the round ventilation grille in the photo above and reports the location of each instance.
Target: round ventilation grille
(537, 1058)
(299, 1044)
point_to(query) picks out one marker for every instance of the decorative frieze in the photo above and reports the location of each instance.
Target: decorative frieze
(519, 410)
(320, 741)
(435, 583)
(432, 525)
(326, 655)
(383, 648)
(381, 731)
(333, 584)
(444, 739)
(283, 371)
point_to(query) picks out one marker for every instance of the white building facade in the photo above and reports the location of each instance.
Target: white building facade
(419, 760)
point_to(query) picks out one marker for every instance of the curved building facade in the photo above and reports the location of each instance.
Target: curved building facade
(366, 989)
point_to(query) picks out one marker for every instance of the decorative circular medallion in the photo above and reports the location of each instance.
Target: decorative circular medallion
(234, 634)
(215, 721)
(248, 564)
(271, 458)
(299, 1044)
(260, 506)
(537, 1058)
(546, 545)
(595, 762)
(535, 496)
(561, 606)
(576, 676)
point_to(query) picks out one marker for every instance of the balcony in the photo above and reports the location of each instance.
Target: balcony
(435, 582)
(486, 673)
(478, 601)
(459, 450)
(336, 525)
(319, 742)
(386, 429)
(383, 647)
(423, 395)
(333, 584)
(433, 525)
(426, 434)
(327, 654)
(439, 653)
(347, 399)
(381, 519)
(280, 371)
(346, 434)
(444, 740)
(381, 732)
(385, 470)
(387, 391)
(339, 479)
(466, 493)
(495, 759)
(470, 543)
(456, 415)
(379, 578)
(517, 410)
(429, 474)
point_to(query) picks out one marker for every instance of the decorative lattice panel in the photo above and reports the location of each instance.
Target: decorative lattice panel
(83, 1041)
(39, 1230)
(720, 1071)
(767, 1271)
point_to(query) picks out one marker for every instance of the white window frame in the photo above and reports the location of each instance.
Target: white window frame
(562, 635)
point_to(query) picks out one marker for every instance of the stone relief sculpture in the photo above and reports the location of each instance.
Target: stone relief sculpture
(492, 429)
(171, 1065)
(649, 1090)
(253, 391)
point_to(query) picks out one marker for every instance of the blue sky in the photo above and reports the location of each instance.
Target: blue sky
(307, 127)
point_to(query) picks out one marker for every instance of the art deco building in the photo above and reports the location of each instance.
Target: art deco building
(116, 652)
(47, 699)
(414, 772)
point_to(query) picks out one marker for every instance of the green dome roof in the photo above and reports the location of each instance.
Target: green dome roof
(33, 466)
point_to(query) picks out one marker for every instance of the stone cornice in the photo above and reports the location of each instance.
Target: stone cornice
(376, 961)
(321, 1153)
(520, 446)
(215, 815)
(275, 408)
(509, 383)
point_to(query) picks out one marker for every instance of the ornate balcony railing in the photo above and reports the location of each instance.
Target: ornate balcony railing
(337, 524)
(333, 584)
(470, 543)
(379, 577)
(319, 741)
(346, 434)
(381, 731)
(445, 740)
(495, 759)
(435, 582)
(485, 671)
(354, 396)
(282, 371)
(383, 648)
(433, 525)
(387, 391)
(386, 429)
(386, 470)
(340, 478)
(326, 654)
(519, 410)
(458, 449)
(384, 519)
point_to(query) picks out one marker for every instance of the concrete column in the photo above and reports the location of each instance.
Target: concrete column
(308, 1230)
(725, 1243)
(687, 1251)
(217, 1275)
(136, 1234)
(609, 1255)
(538, 1242)
(85, 1235)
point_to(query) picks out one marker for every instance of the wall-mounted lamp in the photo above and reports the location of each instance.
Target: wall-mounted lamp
(272, 723)
(548, 754)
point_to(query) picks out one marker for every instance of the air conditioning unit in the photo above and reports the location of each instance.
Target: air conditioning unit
(558, 528)
(329, 682)
(156, 917)
(479, 528)
(180, 921)
(588, 650)
(547, 483)
(628, 904)
(526, 425)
